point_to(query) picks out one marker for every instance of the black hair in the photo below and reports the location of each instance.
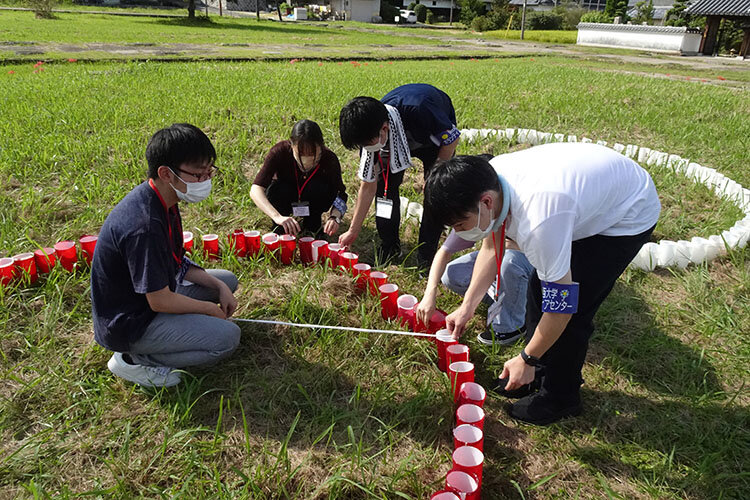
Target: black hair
(176, 145)
(361, 120)
(454, 187)
(306, 135)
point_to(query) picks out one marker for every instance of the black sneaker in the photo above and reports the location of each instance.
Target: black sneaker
(489, 336)
(541, 409)
(522, 391)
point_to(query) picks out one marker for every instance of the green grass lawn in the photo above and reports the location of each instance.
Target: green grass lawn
(547, 36)
(308, 414)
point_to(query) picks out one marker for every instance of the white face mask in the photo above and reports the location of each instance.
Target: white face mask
(477, 233)
(377, 147)
(196, 191)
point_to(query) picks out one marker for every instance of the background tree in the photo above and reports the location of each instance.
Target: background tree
(469, 10)
(676, 16)
(644, 12)
(421, 11)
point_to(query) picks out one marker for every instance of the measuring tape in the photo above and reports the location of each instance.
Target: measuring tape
(329, 327)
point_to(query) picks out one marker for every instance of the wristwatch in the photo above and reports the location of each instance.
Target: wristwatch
(337, 219)
(529, 359)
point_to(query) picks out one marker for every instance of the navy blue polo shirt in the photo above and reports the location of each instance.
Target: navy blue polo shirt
(427, 114)
(133, 257)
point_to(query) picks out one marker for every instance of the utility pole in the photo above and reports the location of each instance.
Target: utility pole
(523, 19)
(450, 21)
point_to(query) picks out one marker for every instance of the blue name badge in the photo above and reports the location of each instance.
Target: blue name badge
(557, 298)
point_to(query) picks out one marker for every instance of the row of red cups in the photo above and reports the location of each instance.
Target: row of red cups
(29, 265)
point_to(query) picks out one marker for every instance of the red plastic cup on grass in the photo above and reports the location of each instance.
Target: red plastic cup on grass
(271, 243)
(26, 266)
(377, 278)
(460, 372)
(347, 260)
(187, 241)
(456, 352)
(437, 321)
(361, 272)
(470, 460)
(471, 393)
(444, 339)
(407, 309)
(389, 300)
(252, 243)
(444, 495)
(211, 245)
(88, 244)
(45, 259)
(305, 250)
(66, 252)
(288, 243)
(320, 252)
(470, 414)
(463, 484)
(7, 270)
(333, 254)
(468, 435)
(237, 242)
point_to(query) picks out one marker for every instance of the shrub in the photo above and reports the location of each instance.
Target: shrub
(430, 17)
(421, 11)
(644, 12)
(388, 11)
(571, 15)
(480, 23)
(42, 8)
(412, 5)
(498, 15)
(469, 10)
(596, 17)
(544, 21)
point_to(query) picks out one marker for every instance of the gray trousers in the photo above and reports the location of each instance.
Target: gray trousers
(181, 340)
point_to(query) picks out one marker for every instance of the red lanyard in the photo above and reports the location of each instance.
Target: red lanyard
(296, 177)
(499, 258)
(169, 222)
(385, 172)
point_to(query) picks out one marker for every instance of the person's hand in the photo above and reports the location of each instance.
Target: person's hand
(517, 372)
(348, 238)
(426, 309)
(456, 321)
(290, 225)
(330, 227)
(215, 311)
(227, 302)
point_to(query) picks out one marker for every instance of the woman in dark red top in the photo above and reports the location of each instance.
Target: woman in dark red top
(300, 179)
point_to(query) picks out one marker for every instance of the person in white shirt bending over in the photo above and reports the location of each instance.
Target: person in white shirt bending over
(580, 213)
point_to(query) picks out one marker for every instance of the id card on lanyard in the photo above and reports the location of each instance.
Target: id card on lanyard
(169, 223)
(384, 206)
(496, 307)
(302, 208)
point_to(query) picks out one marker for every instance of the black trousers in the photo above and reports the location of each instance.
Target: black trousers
(318, 193)
(388, 229)
(596, 263)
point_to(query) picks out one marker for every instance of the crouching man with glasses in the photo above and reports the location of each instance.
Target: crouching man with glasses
(155, 308)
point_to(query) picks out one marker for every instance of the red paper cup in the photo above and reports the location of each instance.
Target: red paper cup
(66, 251)
(463, 484)
(377, 278)
(305, 250)
(271, 242)
(347, 260)
(407, 308)
(252, 243)
(471, 393)
(187, 240)
(45, 259)
(361, 271)
(333, 254)
(460, 372)
(26, 264)
(388, 301)
(88, 244)
(444, 339)
(437, 321)
(320, 251)
(456, 352)
(468, 435)
(288, 245)
(470, 414)
(7, 270)
(237, 242)
(470, 460)
(211, 245)
(444, 495)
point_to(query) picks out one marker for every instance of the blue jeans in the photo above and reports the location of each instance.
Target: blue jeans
(515, 273)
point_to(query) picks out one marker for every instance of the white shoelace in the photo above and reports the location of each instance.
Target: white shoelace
(159, 370)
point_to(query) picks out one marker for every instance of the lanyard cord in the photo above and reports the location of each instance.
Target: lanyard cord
(499, 258)
(385, 172)
(296, 177)
(169, 222)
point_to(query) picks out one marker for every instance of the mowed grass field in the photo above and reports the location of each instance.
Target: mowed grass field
(327, 414)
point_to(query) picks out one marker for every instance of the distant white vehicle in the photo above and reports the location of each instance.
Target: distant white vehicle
(408, 16)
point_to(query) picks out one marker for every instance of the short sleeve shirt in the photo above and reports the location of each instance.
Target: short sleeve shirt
(134, 256)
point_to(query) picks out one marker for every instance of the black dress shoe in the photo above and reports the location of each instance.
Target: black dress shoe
(541, 409)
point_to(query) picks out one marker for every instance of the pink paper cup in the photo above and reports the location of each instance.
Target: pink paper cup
(26, 264)
(471, 393)
(237, 242)
(463, 484)
(252, 243)
(470, 460)
(459, 373)
(187, 241)
(305, 250)
(377, 278)
(333, 254)
(468, 435)
(444, 495)
(7, 270)
(444, 339)
(347, 260)
(407, 308)
(288, 245)
(88, 244)
(211, 245)
(470, 414)
(320, 252)
(271, 243)
(45, 259)
(388, 301)
(66, 251)
(456, 352)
